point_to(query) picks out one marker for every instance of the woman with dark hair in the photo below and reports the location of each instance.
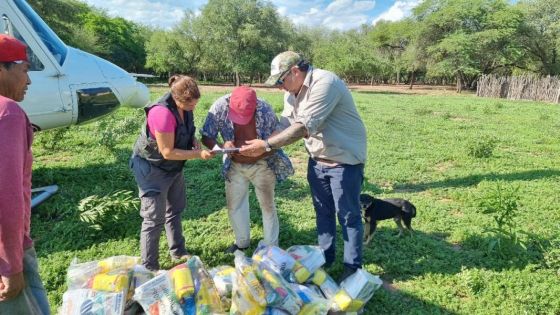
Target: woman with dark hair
(167, 140)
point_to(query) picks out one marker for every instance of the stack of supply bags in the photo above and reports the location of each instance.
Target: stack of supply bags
(271, 282)
(103, 287)
(187, 289)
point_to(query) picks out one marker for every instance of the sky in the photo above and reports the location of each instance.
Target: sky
(331, 14)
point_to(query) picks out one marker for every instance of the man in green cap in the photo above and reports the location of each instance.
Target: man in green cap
(319, 108)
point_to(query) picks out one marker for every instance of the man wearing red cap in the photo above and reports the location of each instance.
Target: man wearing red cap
(21, 289)
(239, 117)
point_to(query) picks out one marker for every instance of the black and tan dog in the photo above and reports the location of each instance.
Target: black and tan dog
(374, 210)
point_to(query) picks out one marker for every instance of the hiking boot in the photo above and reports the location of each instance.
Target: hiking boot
(233, 248)
(183, 257)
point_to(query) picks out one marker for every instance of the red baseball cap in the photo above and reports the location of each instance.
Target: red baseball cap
(242, 105)
(12, 50)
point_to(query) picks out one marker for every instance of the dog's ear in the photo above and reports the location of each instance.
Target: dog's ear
(409, 208)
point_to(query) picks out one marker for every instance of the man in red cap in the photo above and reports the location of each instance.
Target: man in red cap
(21, 289)
(239, 117)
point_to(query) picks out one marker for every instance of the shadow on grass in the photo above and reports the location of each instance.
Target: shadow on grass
(473, 180)
(428, 253)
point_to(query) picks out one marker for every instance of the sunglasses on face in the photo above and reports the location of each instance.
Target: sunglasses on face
(282, 77)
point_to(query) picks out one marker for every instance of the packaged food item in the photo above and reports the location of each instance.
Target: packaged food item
(279, 293)
(278, 259)
(309, 259)
(247, 279)
(182, 281)
(79, 275)
(118, 262)
(242, 303)
(157, 297)
(325, 282)
(207, 297)
(223, 279)
(86, 301)
(355, 291)
(110, 282)
(314, 302)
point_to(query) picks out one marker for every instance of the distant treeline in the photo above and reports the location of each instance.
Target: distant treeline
(443, 42)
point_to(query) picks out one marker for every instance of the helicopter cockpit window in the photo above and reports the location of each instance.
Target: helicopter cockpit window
(54, 44)
(8, 28)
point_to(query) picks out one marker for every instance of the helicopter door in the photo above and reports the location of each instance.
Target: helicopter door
(49, 109)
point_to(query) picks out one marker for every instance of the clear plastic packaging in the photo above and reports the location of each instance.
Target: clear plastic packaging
(279, 293)
(247, 279)
(207, 297)
(325, 282)
(278, 259)
(86, 301)
(309, 259)
(157, 297)
(223, 279)
(355, 291)
(314, 302)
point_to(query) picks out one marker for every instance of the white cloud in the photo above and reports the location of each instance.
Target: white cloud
(339, 14)
(162, 13)
(399, 10)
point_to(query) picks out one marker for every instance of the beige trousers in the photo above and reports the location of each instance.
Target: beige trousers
(237, 196)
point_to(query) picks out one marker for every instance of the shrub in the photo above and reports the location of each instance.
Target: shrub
(482, 147)
(502, 203)
(51, 139)
(108, 212)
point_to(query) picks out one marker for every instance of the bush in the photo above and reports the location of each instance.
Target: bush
(482, 147)
(502, 202)
(107, 213)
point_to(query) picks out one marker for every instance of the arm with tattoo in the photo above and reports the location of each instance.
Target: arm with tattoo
(288, 136)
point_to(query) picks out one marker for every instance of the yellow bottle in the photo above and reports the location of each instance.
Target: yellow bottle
(110, 283)
(301, 273)
(182, 282)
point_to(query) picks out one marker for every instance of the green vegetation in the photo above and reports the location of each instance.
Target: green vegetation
(418, 149)
(443, 42)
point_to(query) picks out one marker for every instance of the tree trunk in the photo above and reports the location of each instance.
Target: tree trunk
(558, 96)
(398, 77)
(459, 87)
(411, 80)
(237, 79)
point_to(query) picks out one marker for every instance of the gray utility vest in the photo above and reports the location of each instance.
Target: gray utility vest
(146, 147)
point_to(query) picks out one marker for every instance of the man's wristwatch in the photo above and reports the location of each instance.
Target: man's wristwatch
(267, 146)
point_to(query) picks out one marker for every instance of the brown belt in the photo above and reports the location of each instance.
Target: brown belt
(326, 161)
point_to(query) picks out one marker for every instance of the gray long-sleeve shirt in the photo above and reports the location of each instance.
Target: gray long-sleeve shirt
(326, 108)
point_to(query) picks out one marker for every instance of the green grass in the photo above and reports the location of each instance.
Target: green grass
(419, 148)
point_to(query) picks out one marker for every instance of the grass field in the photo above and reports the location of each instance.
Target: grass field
(452, 156)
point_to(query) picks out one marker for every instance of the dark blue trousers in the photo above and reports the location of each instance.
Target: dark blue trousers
(336, 193)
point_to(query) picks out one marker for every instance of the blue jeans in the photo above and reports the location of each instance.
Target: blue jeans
(33, 299)
(336, 193)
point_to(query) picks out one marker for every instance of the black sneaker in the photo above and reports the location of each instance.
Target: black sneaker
(233, 248)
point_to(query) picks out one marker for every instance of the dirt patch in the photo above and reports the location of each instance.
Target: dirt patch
(383, 88)
(389, 286)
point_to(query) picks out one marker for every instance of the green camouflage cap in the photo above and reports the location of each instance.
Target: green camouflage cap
(280, 65)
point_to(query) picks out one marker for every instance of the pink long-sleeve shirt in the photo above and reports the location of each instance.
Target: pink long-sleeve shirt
(16, 136)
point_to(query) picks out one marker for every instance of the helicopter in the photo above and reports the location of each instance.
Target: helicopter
(69, 86)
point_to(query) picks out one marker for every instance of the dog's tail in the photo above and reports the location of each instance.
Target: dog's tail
(409, 208)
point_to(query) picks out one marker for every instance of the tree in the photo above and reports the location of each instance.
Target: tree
(466, 38)
(239, 36)
(124, 40)
(176, 51)
(541, 34)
